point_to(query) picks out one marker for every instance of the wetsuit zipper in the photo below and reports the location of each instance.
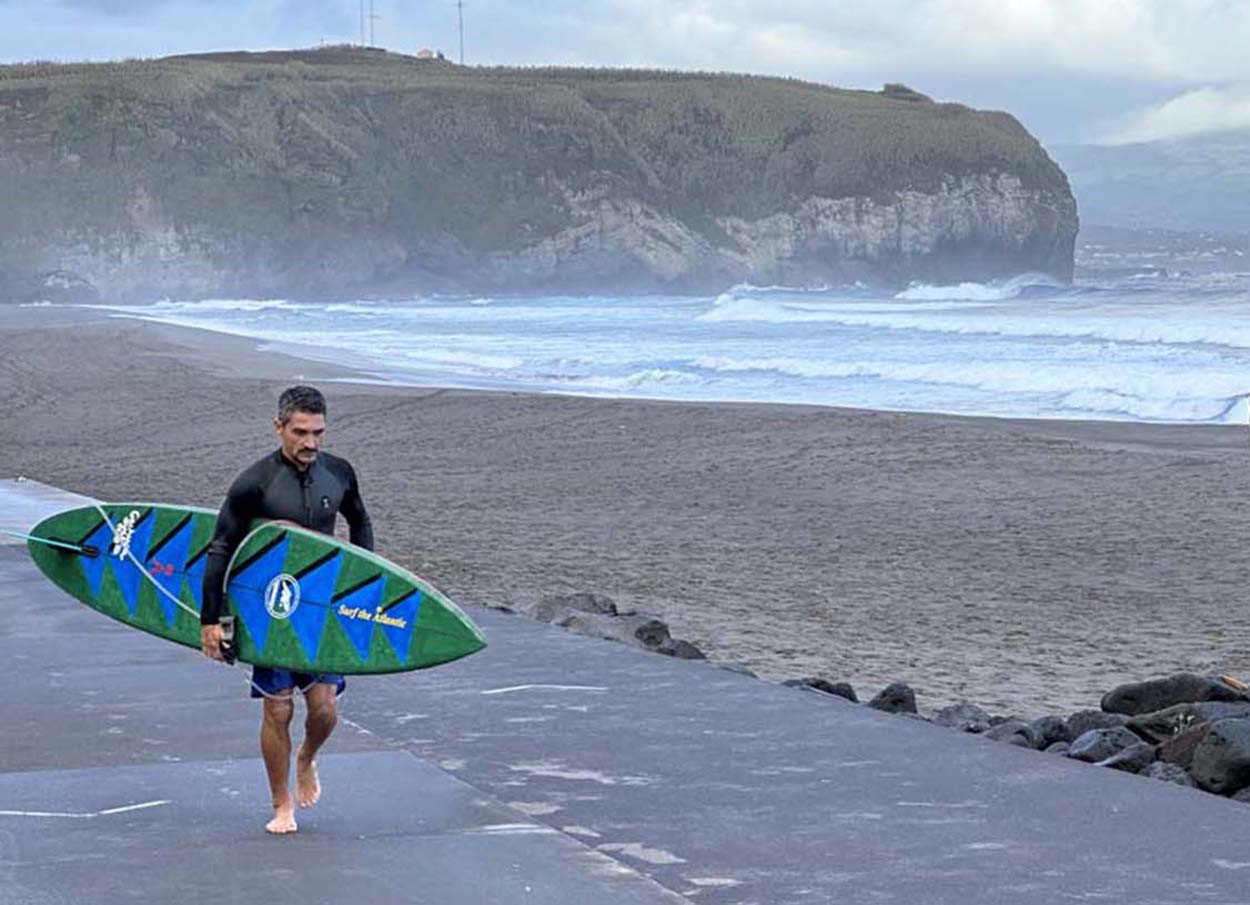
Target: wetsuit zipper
(305, 485)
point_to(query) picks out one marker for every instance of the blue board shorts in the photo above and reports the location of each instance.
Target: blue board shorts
(275, 681)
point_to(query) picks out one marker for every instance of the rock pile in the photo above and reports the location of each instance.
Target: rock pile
(597, 616)
(1186, 729)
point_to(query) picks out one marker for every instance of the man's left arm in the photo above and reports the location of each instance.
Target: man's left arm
(353, 509)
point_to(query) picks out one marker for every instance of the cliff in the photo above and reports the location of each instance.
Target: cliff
(352, 172)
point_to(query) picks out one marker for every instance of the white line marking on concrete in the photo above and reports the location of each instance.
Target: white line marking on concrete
(642, 852)
(1230, 865)
(940, 804)
(510, 829)
(408, 717)
(534, 808)
(540, 687)
(86, 816)
(557, 770)
(134, 807)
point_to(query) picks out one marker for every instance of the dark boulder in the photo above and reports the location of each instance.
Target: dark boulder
(1083, 721)
(963, 716)
(1013, 732)
(1169, 773)
(638, 629)
(895, 698)
(1133, 759)
(1047, 730)
(1221, 761)
(1179, 749)
(1172, 721)
(1061, 748)
(1158, 694)
(1099, 744)
(812, 683)
(682, 650)
(554, 607)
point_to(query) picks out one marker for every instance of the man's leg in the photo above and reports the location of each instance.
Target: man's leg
(322, 717)
(275, 748)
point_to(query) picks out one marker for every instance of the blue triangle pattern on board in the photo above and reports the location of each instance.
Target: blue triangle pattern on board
(93, 566)
(195, 581)
(349, 609)
(128, 571)
(316, 587)
(400, 618)
(165, 566)
(246, 589)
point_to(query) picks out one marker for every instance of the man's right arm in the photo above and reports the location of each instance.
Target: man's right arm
(242, 505)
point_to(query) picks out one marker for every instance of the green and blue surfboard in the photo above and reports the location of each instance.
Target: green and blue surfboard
(301, 600)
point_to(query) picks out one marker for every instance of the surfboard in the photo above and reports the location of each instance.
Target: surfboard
(301, 600)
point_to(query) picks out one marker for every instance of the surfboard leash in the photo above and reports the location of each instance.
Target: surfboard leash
(81, 549)
(144, 572)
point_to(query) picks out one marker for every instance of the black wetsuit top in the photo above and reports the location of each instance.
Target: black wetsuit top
(273, 488)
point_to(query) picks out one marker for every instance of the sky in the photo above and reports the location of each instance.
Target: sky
(1094, 71)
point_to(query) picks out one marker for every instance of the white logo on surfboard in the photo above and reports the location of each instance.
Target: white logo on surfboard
(121, 534)
(282, 596)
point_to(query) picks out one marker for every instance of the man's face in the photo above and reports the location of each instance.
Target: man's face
(301, 436)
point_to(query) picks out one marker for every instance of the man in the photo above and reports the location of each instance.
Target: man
(301, 484)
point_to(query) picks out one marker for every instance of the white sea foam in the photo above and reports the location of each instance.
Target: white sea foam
(1145, 326)
(981, 292)
(1112, 389)
(456, 358)
(649, 377)
(210, 305)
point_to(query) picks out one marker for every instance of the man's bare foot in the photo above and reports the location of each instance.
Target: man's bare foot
(283, 819)
(307, 785)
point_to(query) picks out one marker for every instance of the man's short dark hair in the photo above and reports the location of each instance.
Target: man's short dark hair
(300, 399)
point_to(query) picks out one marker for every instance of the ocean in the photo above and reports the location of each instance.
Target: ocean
(1149, 346)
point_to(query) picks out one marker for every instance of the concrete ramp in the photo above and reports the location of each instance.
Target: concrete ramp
(24, 503)
(550, 768)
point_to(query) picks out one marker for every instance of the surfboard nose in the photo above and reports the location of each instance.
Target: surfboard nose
(446, 633)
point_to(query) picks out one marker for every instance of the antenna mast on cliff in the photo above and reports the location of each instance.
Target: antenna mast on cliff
(372, 18)
(460, 12)
(362, 23)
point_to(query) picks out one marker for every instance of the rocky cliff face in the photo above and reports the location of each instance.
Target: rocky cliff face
(349, 173)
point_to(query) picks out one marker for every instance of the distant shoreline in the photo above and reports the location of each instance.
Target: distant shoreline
(1001, 350)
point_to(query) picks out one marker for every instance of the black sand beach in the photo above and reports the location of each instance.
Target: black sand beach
(1027, 566)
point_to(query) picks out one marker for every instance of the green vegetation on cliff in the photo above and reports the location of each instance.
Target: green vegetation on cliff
(347, 169)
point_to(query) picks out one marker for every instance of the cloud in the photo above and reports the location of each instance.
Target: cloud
(1133, 40)
(1059, 64)
(1190, 41)
(1197, 112)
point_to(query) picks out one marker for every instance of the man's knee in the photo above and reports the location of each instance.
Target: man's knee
(321, 705)
(278, 710)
